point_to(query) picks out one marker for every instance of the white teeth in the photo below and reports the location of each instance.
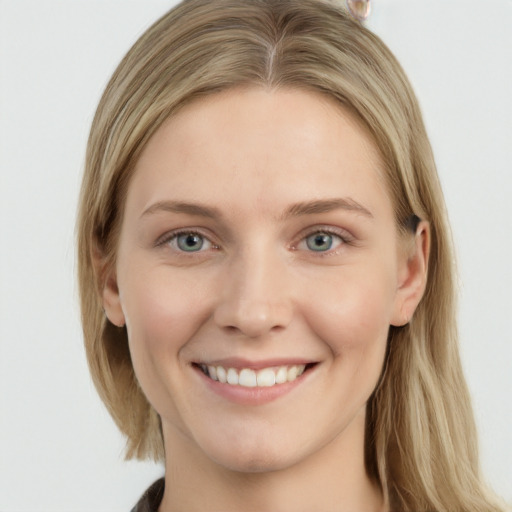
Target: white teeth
(282, 375)
(294, 372)
(232, 377)
(266, 377)
(246, 377)
(221, 375)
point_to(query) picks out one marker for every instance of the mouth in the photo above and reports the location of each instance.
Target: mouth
(250, 378)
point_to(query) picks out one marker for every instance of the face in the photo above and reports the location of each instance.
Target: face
(258, 271)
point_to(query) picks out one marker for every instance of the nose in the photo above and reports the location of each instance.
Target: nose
(256, 297)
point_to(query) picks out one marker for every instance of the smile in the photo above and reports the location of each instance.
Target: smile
(246, 377)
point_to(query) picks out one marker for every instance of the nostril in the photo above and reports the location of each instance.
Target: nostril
(252, 318)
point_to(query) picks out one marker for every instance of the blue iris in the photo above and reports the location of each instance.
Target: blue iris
(319, 242)
(190, 242)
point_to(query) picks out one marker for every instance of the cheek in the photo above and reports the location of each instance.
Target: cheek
(350, 315)
(352, 312)
(162, 313)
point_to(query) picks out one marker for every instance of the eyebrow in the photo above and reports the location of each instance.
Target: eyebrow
(183, 207)
(295, 210)
(325, 206)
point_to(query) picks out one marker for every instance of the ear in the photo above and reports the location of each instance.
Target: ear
(412, 276)
(108, 288)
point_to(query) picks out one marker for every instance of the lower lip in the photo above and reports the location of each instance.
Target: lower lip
(252, 396)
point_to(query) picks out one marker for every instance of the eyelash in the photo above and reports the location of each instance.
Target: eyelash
(343, 236)
(168, 238)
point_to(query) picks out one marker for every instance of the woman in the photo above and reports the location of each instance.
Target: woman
(265, 269)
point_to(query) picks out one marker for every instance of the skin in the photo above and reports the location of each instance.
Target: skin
(256, 290)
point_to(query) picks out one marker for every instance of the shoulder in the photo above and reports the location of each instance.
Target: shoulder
(151, 499)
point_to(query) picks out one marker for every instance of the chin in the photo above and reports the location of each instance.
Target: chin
(254, 457)
(255, 462)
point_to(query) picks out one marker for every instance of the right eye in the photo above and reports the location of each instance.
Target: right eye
(188, 241)
(322, 241)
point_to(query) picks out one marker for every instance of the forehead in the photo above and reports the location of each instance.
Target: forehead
(259, 145)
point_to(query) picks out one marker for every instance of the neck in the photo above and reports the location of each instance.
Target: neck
(333, 479)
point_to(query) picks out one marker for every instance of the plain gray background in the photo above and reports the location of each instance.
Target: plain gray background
(59, 450)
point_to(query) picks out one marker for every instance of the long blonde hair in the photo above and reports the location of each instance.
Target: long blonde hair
(420, 438)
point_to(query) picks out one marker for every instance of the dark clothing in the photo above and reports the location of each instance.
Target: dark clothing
(152, 498)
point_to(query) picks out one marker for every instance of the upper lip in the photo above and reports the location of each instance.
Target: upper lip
(240, 363)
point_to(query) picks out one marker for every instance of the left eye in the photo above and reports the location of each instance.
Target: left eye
(190, 242)
(322, 241)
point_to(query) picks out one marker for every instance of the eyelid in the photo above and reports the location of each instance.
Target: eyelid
(343, 234)
(166, 238)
